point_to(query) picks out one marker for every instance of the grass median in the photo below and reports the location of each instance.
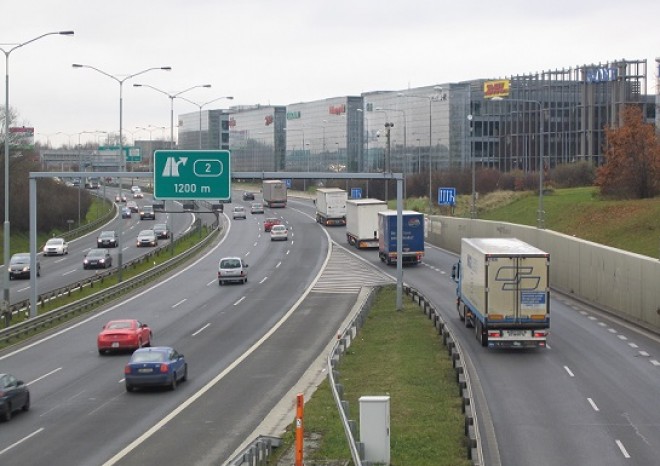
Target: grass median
(398, 354)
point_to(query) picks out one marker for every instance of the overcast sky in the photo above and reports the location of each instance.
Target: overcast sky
(288, 51)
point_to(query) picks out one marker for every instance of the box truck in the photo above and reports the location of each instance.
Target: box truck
(503, 292)
(274, 192)
(362, 222)
(331, 206)
(412, 238)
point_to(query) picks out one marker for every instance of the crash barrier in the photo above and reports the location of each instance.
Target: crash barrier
(86, 304)
(346, 337)
(256, 453)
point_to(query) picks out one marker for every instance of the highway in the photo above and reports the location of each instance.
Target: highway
(59, 271)
(590, 398)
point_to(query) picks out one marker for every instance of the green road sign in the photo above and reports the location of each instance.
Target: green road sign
(198, 175)
(131, 154)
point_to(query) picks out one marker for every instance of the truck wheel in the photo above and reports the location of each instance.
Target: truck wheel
(461, 316)
(468, 322)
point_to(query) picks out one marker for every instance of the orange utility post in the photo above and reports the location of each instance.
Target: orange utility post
(299, 429)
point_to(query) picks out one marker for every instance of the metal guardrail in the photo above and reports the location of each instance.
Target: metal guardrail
(462, 377)
(90, 302)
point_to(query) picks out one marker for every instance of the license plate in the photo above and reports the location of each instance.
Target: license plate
(516, 333)
(145, 370)
(115, 344)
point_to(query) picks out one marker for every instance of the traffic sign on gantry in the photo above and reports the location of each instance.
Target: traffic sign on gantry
(198, 175)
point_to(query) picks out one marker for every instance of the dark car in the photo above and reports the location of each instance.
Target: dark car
(19, 266)
(147, 213)
(98, 258)
(159, 366)
(14, 395)
(161, 230)
(248, 196)
(107, 239)
(126, 212)
(158, 206)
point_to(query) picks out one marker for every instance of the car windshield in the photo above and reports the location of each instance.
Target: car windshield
(230, 263)
(96, 253)
(149, 356)
(55, 242)
(146, 233)
(107, 234)
(160, 226)
(279, 228)
(238, 209)
(21, 259)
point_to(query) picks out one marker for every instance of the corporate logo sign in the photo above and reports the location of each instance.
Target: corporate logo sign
(337, 109)
(601, 74)
(499, 88)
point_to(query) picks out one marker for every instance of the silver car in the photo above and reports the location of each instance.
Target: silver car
(56, 246)
(239, 212)
(147, 238)
(232, 269)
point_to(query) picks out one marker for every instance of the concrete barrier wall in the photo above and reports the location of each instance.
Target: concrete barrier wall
(620, 282)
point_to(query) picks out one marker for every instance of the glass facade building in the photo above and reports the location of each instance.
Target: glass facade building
(557, 116)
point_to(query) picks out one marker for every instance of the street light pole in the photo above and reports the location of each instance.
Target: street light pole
(473, 207)
(431, 99)
(6, 229)
(172, 97)
(200, 106)
(122, 165)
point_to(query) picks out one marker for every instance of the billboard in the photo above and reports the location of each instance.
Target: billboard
(499, 88)
(22, 137)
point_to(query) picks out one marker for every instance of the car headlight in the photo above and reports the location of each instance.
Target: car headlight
(85, 261)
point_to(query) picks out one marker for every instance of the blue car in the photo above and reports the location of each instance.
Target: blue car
(158, 366)
(14, 395)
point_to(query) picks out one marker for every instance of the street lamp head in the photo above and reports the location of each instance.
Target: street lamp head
(77, 65)
(66, 33)
(166, 68)
(230, 97)
(206, 85)
(137, 85)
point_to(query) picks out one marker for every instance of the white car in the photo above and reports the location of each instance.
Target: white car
(279, 233)
(137, 194)
(56, 247)
(232, 269)
(239, 212)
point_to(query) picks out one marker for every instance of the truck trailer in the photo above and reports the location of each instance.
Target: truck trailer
(503, 292)
(362, 222)
(412, 238)
(274, 192)
(331, 206)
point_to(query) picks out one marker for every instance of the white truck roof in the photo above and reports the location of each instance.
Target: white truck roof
(504, 246)
(366, 201)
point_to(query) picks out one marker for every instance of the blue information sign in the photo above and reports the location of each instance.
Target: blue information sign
(356, 193)
(447, 196)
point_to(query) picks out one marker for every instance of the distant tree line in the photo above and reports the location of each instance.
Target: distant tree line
(56, 202)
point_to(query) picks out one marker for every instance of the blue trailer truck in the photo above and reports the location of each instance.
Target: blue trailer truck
(503, 292)
(412, 238)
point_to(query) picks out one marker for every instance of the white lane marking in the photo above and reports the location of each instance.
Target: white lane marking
(602, 324)
(27, 437)
(221, 375)
(23, 289)
(644, 354)
(210, 283)
(201, 330)
(70, 271)
(623, 449)
(180, 302)
(622, 337)
(633, 345)
(593, 405)
(592, 318)
(239, 301)
(584, 313)
(247, 253)
(278, 264)
(655, 362)
(569, 371)
(547, 346)
(263, 280)
(288, 251)
(60, 260)
(611, 330)
(44, 376)
(255, 243)
(126, 248)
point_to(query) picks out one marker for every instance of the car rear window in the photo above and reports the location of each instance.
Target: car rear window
(230, 264)
(149, 356)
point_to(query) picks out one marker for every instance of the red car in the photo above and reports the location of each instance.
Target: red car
(269, 222)
(123, 335)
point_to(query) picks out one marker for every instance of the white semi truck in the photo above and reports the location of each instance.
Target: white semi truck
(331, 206)
(362, 222)
(275, 193)
(503, 292)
